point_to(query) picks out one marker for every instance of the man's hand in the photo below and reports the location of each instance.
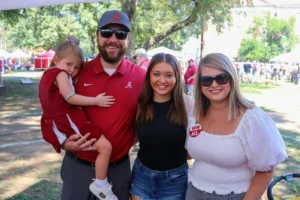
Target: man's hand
(77, 143)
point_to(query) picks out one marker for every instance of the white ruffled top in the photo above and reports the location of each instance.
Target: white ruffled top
(227, 163)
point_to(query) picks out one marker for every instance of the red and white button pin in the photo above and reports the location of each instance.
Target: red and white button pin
(195, 130)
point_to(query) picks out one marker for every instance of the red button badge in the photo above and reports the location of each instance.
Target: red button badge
(195, 130)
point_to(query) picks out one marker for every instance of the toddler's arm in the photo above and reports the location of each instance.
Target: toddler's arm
(66, 90)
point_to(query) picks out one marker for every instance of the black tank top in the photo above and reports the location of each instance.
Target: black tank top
(161, 141)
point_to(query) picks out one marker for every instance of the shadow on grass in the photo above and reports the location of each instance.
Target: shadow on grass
(17, 98)
(42, 190)
(44, 163)
(9, 126)
(280, 119)
(13, 88)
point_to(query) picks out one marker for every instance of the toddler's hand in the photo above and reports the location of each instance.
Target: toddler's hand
(105, 101)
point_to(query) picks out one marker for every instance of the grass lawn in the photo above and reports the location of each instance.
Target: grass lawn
(255, 88)
(18, 99)
(35, 168)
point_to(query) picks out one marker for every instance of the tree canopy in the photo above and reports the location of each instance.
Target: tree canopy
(154, 22)
(269, 37)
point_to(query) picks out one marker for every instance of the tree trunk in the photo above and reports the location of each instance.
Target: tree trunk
(204, 28)
(201, 42)
(153, 40)
(129, 7)
(188, 21)
(172, 45)
(92, 42)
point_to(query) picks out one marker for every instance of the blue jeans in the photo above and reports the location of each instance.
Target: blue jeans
(149, 184)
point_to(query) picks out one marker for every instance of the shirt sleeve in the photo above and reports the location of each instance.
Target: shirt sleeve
(189, 105)
(262, 141)
(195, 70)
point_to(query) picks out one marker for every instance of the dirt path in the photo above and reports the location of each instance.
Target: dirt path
(282, 104)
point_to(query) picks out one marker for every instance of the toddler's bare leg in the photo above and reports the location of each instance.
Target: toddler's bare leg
(104, 149)
(100, 187)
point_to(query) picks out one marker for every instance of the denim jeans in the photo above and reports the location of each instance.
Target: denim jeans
(149, 184)
(195, 194)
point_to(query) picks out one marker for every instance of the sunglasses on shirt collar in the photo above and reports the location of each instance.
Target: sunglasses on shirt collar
(221, 79)
(107, 33)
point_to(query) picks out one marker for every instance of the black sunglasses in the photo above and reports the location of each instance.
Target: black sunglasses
(221, 79)
(107, 33)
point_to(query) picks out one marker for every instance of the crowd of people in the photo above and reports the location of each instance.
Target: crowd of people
(13, 64)
(250, 72)
(235, 144)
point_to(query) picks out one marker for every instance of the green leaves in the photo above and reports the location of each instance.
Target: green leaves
(251, 49)
(154, 22)
(271, 36)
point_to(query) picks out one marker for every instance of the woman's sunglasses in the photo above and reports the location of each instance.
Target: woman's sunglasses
(221, 79)
(107, 33)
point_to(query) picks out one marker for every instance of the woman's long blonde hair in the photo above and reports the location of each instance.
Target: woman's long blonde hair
(236, 99)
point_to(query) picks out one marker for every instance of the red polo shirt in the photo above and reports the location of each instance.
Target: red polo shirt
(190, 71)
(144, 64)
(125, 85)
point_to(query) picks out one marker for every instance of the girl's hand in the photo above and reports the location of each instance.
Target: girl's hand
(104, 101)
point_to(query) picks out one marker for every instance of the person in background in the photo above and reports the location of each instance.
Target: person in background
(189, 77)
(160, 169)
(141, 58)
(2, 64)
(108, 72)
(247, 71)
(255, 69)
(235, 144)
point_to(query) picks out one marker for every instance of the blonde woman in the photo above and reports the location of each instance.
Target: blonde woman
(235, 144)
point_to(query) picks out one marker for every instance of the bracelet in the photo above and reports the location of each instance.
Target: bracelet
(70, 95)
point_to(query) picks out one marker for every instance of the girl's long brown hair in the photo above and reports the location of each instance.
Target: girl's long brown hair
(177, 113)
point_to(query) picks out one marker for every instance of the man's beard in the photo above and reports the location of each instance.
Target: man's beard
(105, 55)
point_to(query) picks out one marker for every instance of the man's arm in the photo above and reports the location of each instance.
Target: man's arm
(77, 143)
(192, 77)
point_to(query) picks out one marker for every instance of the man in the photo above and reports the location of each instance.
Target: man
(141, 58)
(109, 72)
(247, 69)
(189, 77)
(2, 64)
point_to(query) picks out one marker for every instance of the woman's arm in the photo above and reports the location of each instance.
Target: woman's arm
(65, 89)
(259, 185)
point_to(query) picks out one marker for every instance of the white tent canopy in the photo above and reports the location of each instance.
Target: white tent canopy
(19, 54)
(162, 49)
(17, 4)
(290, 57)
(4, 54)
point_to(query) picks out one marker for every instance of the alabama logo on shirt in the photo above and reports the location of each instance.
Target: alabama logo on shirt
(195, 130)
